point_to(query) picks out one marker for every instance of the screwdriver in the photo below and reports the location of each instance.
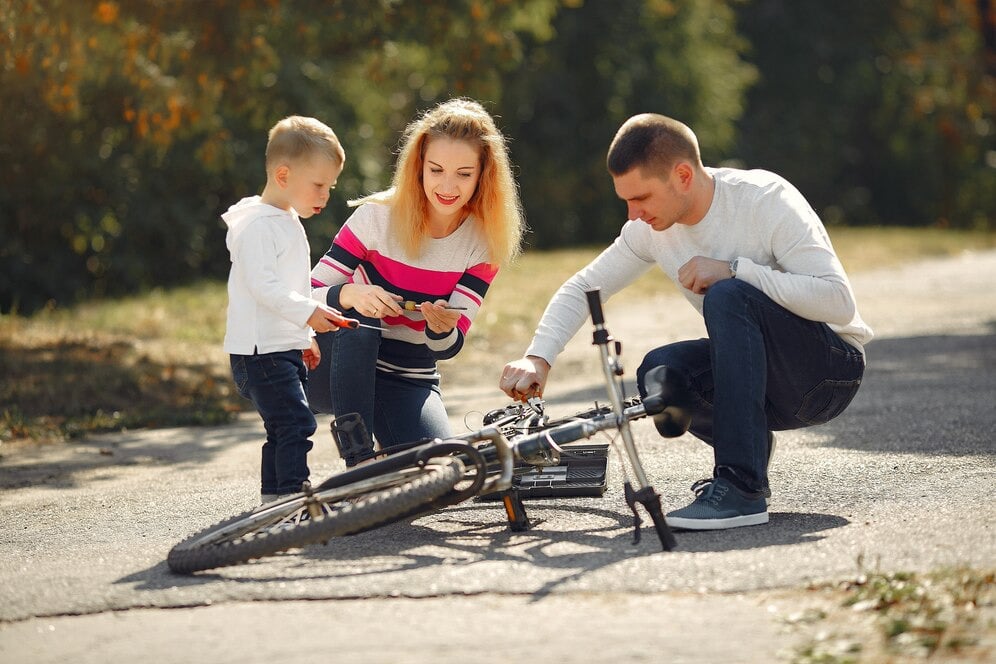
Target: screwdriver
(412, 305)
(352, 324)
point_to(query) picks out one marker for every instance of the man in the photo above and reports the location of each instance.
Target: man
(785, 346)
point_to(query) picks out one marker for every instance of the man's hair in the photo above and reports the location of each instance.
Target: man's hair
(653, 143)
(297, 137)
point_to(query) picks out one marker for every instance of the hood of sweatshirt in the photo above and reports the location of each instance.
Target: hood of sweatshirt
(240, 214)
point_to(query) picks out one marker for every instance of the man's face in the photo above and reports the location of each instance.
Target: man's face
(655, 201)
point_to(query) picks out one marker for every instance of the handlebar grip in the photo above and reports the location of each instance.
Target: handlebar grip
(595, 306)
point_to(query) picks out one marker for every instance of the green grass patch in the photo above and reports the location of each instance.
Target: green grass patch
(155, 359)
(937, 615)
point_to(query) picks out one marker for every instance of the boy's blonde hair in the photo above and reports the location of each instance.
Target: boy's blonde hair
(495, 201)
(298, 137)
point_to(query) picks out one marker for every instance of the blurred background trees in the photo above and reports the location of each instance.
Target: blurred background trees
(128, 126)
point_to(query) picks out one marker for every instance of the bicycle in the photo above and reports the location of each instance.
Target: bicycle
(429, 475)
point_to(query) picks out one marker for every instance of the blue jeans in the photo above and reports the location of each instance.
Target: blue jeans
(395, 409)
(761, 369)
(275, 383)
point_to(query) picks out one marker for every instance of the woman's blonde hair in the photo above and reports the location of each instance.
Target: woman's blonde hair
(496, 200)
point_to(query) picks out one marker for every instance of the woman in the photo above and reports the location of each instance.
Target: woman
(435, 241)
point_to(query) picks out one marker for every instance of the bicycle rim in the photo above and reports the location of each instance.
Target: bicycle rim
(288, 524)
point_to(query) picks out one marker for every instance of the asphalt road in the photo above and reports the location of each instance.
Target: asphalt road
(902, 481)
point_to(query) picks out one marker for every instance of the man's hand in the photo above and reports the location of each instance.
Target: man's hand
(324, 319)
(700, 272)
(312, 356)
(524, 378)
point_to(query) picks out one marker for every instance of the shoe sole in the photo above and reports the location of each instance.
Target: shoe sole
(717, 524)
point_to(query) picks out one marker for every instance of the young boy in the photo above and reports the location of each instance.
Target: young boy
(269, 286)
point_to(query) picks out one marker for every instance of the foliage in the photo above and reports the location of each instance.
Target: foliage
(607, 62)
(882, 113)
(130, 125)
(939, 614)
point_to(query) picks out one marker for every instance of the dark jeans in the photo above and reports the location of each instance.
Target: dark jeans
(762, 369)
(395, 409)
(275, 383)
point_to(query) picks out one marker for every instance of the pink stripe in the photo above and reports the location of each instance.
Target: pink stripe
(463, 325)
(483, 271)
(335, 265)
(469, 294)
(404, 321)
(348, 241)
(412, 278)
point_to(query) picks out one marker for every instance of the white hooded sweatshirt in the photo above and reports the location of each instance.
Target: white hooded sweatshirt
(270, 280)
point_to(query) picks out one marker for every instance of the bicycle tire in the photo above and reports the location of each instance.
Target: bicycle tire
(346, 510)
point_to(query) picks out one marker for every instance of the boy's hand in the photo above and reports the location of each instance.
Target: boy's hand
(439, 319)
(312, 356)
(326, 319)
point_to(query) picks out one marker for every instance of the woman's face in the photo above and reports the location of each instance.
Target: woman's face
(450, 173)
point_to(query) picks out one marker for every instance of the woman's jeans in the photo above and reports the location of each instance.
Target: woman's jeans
(394, 408)
(762, 369)
(276, 383)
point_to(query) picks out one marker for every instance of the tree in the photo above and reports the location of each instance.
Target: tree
(881, 113)
(130, 125)
(606, 62)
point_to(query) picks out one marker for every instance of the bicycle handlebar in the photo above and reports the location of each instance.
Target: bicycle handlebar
(595, 306)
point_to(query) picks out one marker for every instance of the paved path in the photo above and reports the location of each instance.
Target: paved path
(903, 481)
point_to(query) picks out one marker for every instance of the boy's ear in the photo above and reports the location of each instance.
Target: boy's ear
(280, 174)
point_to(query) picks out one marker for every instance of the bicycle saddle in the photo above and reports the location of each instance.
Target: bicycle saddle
(668, 400)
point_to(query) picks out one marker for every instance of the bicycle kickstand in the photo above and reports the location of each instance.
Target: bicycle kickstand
(515, 510)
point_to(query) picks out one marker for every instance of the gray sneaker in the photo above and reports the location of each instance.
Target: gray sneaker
(718, 505)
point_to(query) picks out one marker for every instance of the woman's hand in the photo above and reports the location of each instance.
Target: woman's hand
(370, 301)
(439, 319)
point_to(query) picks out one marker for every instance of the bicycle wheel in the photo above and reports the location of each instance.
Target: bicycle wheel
(289, 524)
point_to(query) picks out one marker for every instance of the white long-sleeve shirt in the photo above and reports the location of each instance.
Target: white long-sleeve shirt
(269, 284)
(757, 217)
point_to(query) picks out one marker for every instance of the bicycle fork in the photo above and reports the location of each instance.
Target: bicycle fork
(645, 494)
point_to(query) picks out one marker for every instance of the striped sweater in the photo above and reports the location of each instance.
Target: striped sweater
(454, 268)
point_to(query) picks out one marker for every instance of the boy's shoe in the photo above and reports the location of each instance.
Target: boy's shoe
(718, 505)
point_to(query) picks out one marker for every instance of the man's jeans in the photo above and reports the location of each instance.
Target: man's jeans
(762, 369)
(395, 409)
(275, 383)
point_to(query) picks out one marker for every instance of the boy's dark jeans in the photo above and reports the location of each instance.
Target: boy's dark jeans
(762, 369)
(275, 383)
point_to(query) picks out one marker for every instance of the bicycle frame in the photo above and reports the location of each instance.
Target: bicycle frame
(496, 464)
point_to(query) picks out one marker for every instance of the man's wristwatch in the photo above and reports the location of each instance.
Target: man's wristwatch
(733, 267)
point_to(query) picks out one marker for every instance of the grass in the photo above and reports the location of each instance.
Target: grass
(156, 360)
(937, 615)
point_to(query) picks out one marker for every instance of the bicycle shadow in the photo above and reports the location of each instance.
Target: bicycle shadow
(474, 534)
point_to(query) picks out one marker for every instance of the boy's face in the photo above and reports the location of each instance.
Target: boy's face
(309, 183)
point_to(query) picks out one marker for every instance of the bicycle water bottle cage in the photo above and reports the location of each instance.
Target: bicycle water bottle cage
(352, 439)
(669, 400)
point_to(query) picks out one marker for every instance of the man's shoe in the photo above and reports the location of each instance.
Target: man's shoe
(718, 505)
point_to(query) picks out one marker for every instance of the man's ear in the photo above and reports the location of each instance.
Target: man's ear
(280, 174)
(685, 174)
